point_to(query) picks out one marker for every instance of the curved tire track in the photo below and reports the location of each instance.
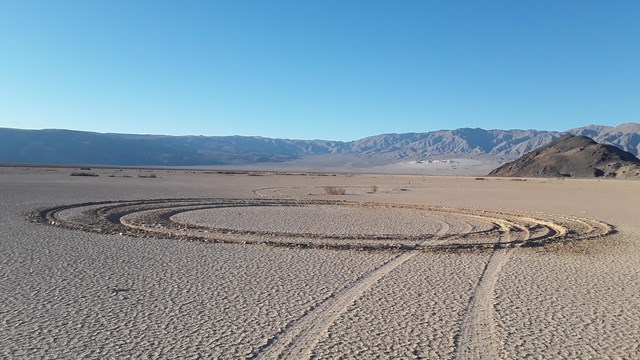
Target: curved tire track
(501, 233)
(155, 218)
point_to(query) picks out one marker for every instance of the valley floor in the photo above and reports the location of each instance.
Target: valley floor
(69, 293)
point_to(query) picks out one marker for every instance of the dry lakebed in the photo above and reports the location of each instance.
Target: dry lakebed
(172, 263)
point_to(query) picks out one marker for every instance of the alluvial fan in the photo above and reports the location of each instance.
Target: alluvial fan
(321, 223)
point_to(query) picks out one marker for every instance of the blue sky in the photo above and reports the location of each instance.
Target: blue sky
(317, 69)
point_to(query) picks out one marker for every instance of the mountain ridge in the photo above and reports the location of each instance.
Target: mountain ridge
(59, 146)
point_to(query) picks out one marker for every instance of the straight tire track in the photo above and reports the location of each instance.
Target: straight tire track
(299, 341)
(478, 338)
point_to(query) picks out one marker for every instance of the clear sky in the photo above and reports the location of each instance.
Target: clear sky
(323, 69)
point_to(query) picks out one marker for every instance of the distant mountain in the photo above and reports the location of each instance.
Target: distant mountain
(490, 146)
(625, 136)
(79, 147)
(463, 143)
(573, 156)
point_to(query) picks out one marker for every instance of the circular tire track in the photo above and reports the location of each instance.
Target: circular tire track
(500, 232)
(474, 229)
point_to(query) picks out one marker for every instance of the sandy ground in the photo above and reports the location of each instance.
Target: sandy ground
(77, 294)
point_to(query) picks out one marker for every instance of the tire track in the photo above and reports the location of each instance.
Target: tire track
(478, 338)
(155, 218)
(302, 337)
(496, 231)
(274, 190)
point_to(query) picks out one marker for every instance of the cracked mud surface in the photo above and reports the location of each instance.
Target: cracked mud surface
(268, 267)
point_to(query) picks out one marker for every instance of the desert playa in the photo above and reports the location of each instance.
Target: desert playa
(258, 265)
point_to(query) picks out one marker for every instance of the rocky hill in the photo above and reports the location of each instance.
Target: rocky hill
(574, 156)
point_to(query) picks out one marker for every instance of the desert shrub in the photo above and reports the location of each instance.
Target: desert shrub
(374, 188)
(480, 178)
(83, 173)
(148, 176)
(332, 190)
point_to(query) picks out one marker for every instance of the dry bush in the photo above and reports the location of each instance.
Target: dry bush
(83, 173)
(148, 176)
(332, 190)
(480, 178)
(374, 189)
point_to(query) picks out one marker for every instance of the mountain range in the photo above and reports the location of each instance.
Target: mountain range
(485, 146)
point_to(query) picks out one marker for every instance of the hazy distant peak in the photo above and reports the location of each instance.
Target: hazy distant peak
(629, 127)
(589, 130)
